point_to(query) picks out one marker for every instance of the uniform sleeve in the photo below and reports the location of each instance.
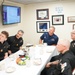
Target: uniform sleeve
(56, 40)
(8, 40)
(6, 47)
(42, 37)
(21, 42)
(66, 68)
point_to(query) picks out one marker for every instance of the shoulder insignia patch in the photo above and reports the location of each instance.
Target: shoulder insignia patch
(63, 66)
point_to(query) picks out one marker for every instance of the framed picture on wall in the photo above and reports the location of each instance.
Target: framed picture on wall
(71, 19)
(42, 26)
(73, 27)
(57, 19)
(42, 14)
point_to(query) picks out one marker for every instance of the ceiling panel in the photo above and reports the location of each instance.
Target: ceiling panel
(35, 1)
(31, 1)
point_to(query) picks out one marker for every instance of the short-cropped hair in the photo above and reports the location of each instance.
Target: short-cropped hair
(64, 42)
(5, 33)
(21, 31)
(52, 27)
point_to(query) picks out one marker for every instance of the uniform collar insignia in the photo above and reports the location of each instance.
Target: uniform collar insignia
(1, 50)
(16, 44)
(20, 40)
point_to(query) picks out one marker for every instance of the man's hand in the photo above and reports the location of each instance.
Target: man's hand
(52, 63)
(9, 51)
(55, 62)
(48, 65)
(6, 55)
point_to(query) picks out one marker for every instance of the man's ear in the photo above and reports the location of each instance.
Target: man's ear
(64, 47)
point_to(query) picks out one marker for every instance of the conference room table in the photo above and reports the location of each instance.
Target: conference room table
(43, 52)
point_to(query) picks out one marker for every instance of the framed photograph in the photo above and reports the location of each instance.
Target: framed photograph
(42, 14)
(42, 26)
(58, 20)
(73, 27)
(71, 19)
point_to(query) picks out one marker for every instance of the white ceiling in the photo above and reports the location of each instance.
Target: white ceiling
(35, 1)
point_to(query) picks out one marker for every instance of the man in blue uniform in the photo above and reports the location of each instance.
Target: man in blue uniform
(3, 45)
(65, 62)
(49, 37)
(15, 42)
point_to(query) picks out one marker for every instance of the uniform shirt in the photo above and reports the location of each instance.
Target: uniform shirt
(50, 40)
(68, 64)
(72, 47)
(68, 60)
(14, 43)
(3, 49)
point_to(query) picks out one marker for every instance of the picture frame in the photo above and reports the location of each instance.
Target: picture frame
(71, 19)
(42, 14)
(73, 27)
(57, 19)
(42, 26)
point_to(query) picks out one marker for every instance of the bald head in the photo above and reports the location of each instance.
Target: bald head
(63, 45)
(64, 42)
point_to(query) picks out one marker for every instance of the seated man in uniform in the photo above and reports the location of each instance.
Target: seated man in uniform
(65, 63)
(15, 42)
(3, 45)
(72, 44)
(49, 37)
